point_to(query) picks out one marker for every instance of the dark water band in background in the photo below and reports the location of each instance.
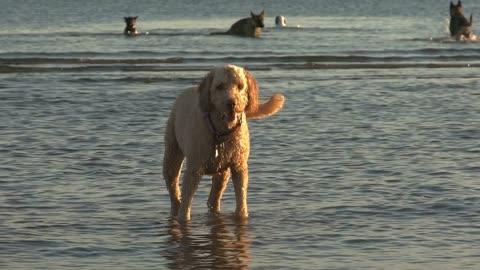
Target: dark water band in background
(59, 63)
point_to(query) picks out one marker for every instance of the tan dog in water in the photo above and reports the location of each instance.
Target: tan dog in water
(208, 127)
(247, 27)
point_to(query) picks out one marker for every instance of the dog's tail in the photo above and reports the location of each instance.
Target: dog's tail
(268, 108)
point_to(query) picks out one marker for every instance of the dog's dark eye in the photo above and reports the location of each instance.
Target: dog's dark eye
(240, 86)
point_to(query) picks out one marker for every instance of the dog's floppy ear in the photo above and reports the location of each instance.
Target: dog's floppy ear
(252, 93)
(204, 93)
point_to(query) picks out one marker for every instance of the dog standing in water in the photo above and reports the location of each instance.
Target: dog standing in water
(247, 27)
(459, 25)
(131, 27)
(208, 126)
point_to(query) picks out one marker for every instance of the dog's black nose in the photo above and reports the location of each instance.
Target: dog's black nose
(231, 104)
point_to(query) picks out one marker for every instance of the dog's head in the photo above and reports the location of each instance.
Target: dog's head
(228, 91)
(131, 25)
(464, 25)
(258, 19)
(456, 9)
(280, 21)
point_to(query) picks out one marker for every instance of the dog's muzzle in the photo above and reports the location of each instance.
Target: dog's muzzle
(230, 114)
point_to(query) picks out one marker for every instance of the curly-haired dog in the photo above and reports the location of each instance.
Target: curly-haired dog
(208, 127)
(459, 25)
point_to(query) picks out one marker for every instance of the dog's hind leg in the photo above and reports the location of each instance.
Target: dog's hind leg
(219, 183)
(189, 186)
(172, 166)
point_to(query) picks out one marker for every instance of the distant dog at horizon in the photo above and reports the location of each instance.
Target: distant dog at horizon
(131, 26)
(459, 25)
(280, 21)
(247, 27)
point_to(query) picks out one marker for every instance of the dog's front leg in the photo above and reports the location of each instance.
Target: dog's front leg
(189, 186)
(240, 184)
(219, 183)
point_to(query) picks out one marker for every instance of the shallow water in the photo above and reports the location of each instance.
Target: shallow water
(372, 164)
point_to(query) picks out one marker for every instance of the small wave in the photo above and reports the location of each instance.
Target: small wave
(144, 61)
(206, 67)
(112, 33)
(467, 52)
(82, 54)
(385, 66)
(444, 39)
(102, 68)
(130, 79)
(268, 56)
(54, 60)
(322, 29)
(429, 56)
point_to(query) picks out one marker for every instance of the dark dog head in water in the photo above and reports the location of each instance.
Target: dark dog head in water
(459, 25)
(131, 27)
(247, 27)
(258, 19)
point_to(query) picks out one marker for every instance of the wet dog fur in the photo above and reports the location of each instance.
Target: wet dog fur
(208, 127)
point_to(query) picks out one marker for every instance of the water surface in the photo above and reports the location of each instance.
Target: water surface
(372, 164)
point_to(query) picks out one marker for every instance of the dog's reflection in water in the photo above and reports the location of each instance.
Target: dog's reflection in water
(221, 242)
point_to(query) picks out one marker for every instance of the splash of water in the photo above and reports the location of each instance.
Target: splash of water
(472, 37)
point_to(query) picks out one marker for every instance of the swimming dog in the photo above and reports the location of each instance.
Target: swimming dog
(280, 21)
(247, 27)
(459, 25)
(131, 27)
